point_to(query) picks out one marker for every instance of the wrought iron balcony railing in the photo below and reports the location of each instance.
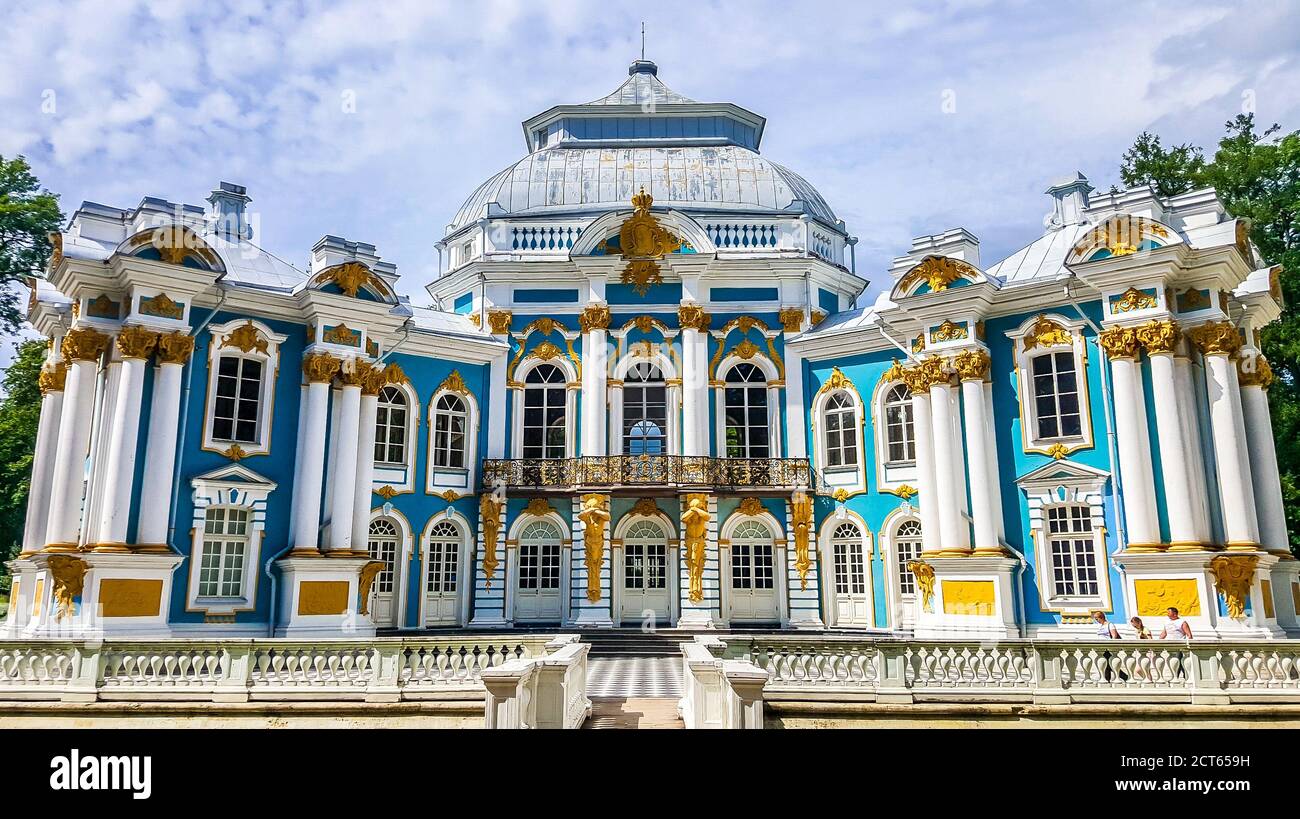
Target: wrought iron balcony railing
(668, 471)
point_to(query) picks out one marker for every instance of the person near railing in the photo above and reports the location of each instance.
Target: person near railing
(1140, 629)
(1105, 629)
(1175, 627)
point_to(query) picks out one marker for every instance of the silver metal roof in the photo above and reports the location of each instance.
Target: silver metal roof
(642, 88)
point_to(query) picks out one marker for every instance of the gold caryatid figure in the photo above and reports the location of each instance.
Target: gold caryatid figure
(695, 520)
(801, 514)
(594, 516)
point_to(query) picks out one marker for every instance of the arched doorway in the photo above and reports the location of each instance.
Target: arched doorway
(385, 544)
(904, 547)
(537, 592)
(753, 585)
(645, 589)
(441, 574)
(851, 607)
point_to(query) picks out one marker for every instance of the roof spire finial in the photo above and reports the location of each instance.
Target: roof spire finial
(643, 39)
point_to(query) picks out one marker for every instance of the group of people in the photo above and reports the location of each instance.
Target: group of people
(1175, 627)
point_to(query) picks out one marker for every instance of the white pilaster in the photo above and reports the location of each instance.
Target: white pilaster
(796, 444)
(594, 371)
(1264, 476)
(160, 452)
(310, 469)
(948, 468)
(47, 439)
(923, 429)
(984, 512)
(1134, 445)
(135, 344)
(1195, 449)
(361, 497)
(345, 475)
(82, 349)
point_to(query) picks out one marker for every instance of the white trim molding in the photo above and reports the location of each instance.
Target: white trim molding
(439, 479)
(1064, 483)
(249, 339)
(230, 487)
(1040, 335)
(852, 479)
(401, 478)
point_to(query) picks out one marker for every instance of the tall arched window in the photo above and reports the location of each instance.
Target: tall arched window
(900, 434)
(745, 404)
(645, 410)
(444, 549)
(544, 412)
(383, 547)
(390, 427)
(850, 575)
(841, 431)
(238, 405)
(907, 547)
(450, 418)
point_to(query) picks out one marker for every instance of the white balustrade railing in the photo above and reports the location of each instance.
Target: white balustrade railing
(540, 692)
(718, 692)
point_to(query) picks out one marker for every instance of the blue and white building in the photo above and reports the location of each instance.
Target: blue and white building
(645, 394)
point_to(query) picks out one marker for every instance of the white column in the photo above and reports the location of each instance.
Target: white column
(174, 350)
(796, 440)
(136, 345)
(1265, 480)
(595, 321)
(309, 472)
(82, 349)
(973, 368)
(1188, 399)
(922, 427)
(1176, 474)
(496, 421)
(954, 534)
(47, 439)
(616, 416)
(1240, 524)
(361, 498)
(1132, 440)
(695, 380)
(991, 473)
(342, 503)
(774, 421)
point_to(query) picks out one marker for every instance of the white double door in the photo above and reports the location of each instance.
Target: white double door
(442, 567)
(537, 596)
(754, 583)
(645, 581)
(851, 602)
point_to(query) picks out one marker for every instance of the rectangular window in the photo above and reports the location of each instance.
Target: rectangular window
(238, 399)
(1073, 552)
(225, 543)
(1056, 396)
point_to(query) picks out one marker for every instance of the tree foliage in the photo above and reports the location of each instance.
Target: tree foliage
(28, 214)
(1257, 175)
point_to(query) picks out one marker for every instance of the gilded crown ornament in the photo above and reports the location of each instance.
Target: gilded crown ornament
(642, 240)
(972, 365)
(594, 517)
(175, 347)
(1158, 336)
(1120, 342)
(84, 344)
(247, 338)
(350, 277)
(499, 321)
(489, 511)
(1216, 338)
(320, 368)
(136, 342)
(595, 317)
(454, 382)
(938, 272)
(52, 377)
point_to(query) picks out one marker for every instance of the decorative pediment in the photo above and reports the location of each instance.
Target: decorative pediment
(351, 279)
(1062, 473)
(172, 244)
(1121, 235)
(935, 274)
(234, 475)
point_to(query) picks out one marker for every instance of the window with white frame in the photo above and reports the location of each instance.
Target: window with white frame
(450, 424)
(907, 547)
(850, 573)
(539, 556)
(391, 418)
(645, 410)
(236, 410)
(745, 406)
(243, 359)
(225, 551)
(752, 557)
(1072, 551)
(841, 418)
(1051, 363)
(545, 402)
(1055, 386)
(384, 538)
(900, 431)
(444, 554)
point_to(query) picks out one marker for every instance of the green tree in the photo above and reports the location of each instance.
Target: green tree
(1257, 175)
(28, 214)
(20, 412)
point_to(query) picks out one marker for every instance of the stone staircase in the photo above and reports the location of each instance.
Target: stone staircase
(634, 643)
(633, 678)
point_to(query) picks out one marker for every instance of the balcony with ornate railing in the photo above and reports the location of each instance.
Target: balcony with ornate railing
(650, 471)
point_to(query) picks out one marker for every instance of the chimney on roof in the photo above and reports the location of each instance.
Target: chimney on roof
(227, 212)
(1069, 200)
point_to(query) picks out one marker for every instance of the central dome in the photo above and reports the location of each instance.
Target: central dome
(688, 155)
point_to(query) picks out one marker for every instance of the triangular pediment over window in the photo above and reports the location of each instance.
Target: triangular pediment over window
(1062, 473)
(234, 474)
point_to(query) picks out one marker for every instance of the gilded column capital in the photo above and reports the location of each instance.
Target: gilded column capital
(1158, 336)
(354, 373)
(52, 378)
(972, 365)
(84, 344)
(595, 317)
(791, 319)
(499, 321)
(692, 317)
(1120, 343)
(175, 347)
(1254, 371)
(373, 379)
(925, 374)
(320, 368)
(136, 342)
(1216, 338)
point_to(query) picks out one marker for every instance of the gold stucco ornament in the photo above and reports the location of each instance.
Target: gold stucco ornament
(136, 342)
(595, 317)
(1159, 336)
(1216, 338)
(791, 319)
(801, 516)
(320, 368)
(949, 331)
(489, 510)
(695, 520)
(692, 317)
(84, 344)
(1133, 299)
(594, 517)
(53, 377)
(1233, 577)
(924, 574)
(69, 574)
(642, 240)
(972, 365)
(499, 321)
(1045, 333)
(247, 338)
(175, 347)
(938, 272)
(368, 574)
(1120, 342)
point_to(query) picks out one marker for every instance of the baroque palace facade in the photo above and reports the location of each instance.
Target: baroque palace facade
(646, 396)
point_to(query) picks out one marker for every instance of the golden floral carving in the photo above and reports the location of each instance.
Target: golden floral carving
(1132, 299)
(642, 274)
(595, 317)
(386, 492)
(1058, 451)
(918, 343)
(104, 307)
(924, 574)
(539, 507)
(136, 342)
(56, 250)
(52, 377)
(368, 574)
(695, 520)
(476, 320)
(925, 374)
(161, 306)
(1192, 299)
(840, 495)
(393, 374)
(644, 323)
(545, 351)
(893, 373)
(1216, 338)
(320, 368)
(837, 381)
(949, 331)
(175, 347)
(906, 492)
(1120, 342)
(342, 334)
(69, 575)
(801, 516)
(1254, 371)
(489, 510)
(594, 517)
(1233, 577)
(1121, 236)
(939, 272)
(247, 338)
(751, 506)
(84, 344)
(692, 317)
(235, 452)
(972, 365)
(450, 495)
(1045, 333)
(745, 349)
(1158, 336)
(499, 321)
(645, 506)
(791, 319)
(455, 383)
(351, 277)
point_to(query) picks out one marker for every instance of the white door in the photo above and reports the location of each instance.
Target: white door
(753, 575)
(907, 547)
(645, 573)
(442, 560)
(849, 560)
(384, 540)
(537, 598)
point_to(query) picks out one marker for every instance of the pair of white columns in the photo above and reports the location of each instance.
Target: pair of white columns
(1266, 481)
(82, 349)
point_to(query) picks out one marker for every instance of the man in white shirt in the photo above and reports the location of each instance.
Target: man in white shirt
(1176, 628)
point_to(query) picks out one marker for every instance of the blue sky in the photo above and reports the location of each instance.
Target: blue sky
(909, 118)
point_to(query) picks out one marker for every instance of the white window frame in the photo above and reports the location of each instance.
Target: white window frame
(270, 360)
(889, 560)
(464, 564)
(401, 559)
(826, 550)
(231, 487)
(852, 479)
(774, 385)
(572, 388)
(890, 475)
(402, 478)
(517, 528)
(647, 352)
(1063, 483)
(1032, 443)
(779, 562)
(440, 479)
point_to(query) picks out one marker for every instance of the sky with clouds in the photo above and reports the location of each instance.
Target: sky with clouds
(910, 118)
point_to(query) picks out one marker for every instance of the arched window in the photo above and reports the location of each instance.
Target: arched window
(225, 544)
(850, 575)
(1073, 551)
(900, 434)
(444, 553)
(237, 410)
(645, 410)
(1055, 386)
(745, 405)
(841, 431)
(450, 419)
(544, 413)
(390, 427)
(383, 547)
(907, 547)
